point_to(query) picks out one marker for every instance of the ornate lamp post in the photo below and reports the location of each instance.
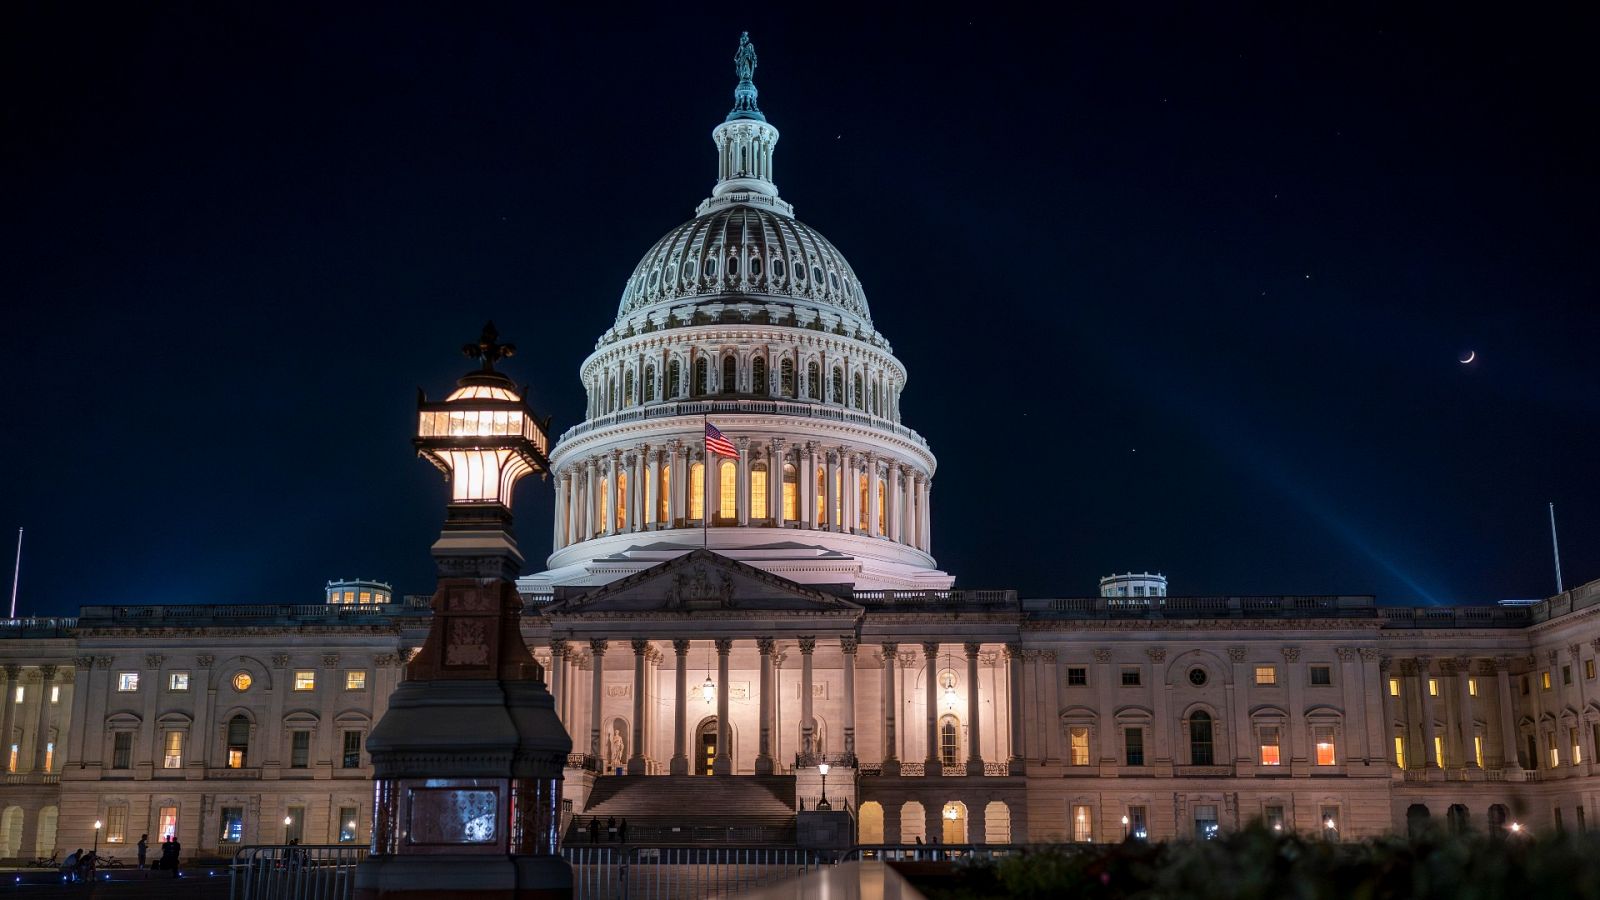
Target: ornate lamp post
(96, 837)
(823, 803)
(468, 759)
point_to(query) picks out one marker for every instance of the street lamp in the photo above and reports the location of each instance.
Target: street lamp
(1516, 827)
(97, 837)
(1124, 827)
(823, 803)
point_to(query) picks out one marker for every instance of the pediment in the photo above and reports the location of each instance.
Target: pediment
(702, 582)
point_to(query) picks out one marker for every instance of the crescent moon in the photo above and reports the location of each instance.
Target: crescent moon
(1471, 355)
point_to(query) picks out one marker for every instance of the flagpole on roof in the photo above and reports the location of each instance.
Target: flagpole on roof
(705, 484)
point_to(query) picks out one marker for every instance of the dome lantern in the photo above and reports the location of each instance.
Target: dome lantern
(745, 143)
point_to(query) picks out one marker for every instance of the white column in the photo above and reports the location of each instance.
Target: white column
(924, 518)
(636, 757)
(874, 514)
(847, 646)
(1508, 716)
(652, 494)
(743, 493)
(558, 679)
(723, 764)
(891, 762)
(559, 540)
(775, 462)
(808, 485)
(1014, 706)
(597, 648)
(675, 481)
(974, 713)
(764, 761)
(639, 489)
(8, 722)
(831, 512)
(930, 656)
(1469, 756)
(893, 511)
(849, 493)
(1432, 761)
(591, 504)
(808, 724)
(680, 711)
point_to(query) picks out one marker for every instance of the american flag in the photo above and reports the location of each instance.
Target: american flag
(716, 443)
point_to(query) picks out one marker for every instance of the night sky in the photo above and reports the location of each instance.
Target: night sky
(1181, 291)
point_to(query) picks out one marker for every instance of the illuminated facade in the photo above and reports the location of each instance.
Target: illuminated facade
(814, 626)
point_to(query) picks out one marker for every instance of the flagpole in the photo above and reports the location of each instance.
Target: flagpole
(16, 573)
(705, 486)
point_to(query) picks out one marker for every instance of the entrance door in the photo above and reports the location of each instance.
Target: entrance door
(708, 746)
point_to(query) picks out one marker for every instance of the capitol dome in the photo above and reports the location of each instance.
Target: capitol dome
(747, 252)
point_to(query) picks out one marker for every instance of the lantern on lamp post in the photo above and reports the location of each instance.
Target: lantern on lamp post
(468, 758)
(823, 803)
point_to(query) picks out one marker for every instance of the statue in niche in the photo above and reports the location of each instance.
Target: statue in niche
(615, 750)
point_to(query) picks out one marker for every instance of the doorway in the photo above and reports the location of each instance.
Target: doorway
(707, 745)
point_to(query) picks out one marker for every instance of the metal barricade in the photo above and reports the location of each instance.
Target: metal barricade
(683, 873)
(294, 871)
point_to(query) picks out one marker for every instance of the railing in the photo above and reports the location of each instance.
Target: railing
(746, 835)
(936, 852)
(1202, 771)
(913, 769)
(33, 626)
(836, 760)
(583, 761)
(233, 614)
(934, 598)
(802, 410)
(283, 872)
(33, 778)
(681, 873)
(1343, 606)
(244, 774)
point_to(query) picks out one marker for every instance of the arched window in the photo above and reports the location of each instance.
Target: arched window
(702, 374)
(858, 393)
(238, 741)
(649, 384)
(611, 393)
(622, 500)
(758, 377)
(711, 268)
(822, 496)
(697, 491)
(627, 389)
(674, 379)
(728, 490)
(600, 506)
(664, 496)
(758, 492)
(730, 375)
(813, 381)
(786, 377)
(1200, 746)
(949, 740)
(791, 494)
(838, 387)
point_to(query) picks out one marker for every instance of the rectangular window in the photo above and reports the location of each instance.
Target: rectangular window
(55, 690)
(1322, 675)
(294, 826)
(1577, 749)
(1270, 752)
(1330, 822)
(50, 756)
(1078, 740)
(127, 681)
(1472, 687)
(1566, 674)
(172, 755)
(355, 681)
(352, 750)
(1205, 821)
(347, 824)
(1138, 826)
(1588, 669)
(728, 490)
(178, 681)
(11, 758)
(758, 494)
(122, 750)
(791, 502)
(1477, 749)
(1400, 751)
(167, 823)
(1438, 750)
(299, 749)
(305, 681)
(1322, 739)
(232, 825)
(1555, 752)
(1082, 824)
(116, 824)
(1130, 676)
(1273, 817)
(366, 598)
(1133, 743)
(1394, 687)
(1077, 676)
(1544, 680)
(20, 693)
(1433, 687)
(1524, 685)
(1266, 675)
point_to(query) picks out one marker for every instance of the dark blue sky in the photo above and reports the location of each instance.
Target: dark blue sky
(1182, 291)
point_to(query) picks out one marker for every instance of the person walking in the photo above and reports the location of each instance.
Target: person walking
(144, 847)
(169, 855)
(594, 830)
(622, 830)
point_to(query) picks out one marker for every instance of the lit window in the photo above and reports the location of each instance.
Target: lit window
(1577, 749)
(178, 681)
(1394, 687)
(1078, 739)
(49, 756)
(11, 759)
(1433, 687)
(127, 681)
(1082, 824)
(1555, 752)
(1274, 817)
(355, 681)
(238, 741)
(241, 681)
(305, 681)
(116, 824)
(883, 509)
(1322, 737)
(1472, 687)
(1321, 675)
(758, 493)
(347, 824)
(697, 491)
(1400, 751)
(352, 750)
(1477, 749)
(1270, 752)
(949, 741)
(1588, 668)
(1330, 822)
(728, 490)
(55, 693)
(366, 598)
(172, 758)
(167, 823)
(1438, 750)
(21, 692)
(232, 825)
(1130, 676)
(1266, 675)
(1544, 680)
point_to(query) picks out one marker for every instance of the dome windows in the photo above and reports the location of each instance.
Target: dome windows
(799, 274)
(833, 280)
(816, 273)
(755, 267)
(778, 268)
(711, 268)
(672, 273)
(655, 278)
(689, 270)
(733, 267)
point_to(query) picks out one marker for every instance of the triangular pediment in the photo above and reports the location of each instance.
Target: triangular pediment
(702, 582)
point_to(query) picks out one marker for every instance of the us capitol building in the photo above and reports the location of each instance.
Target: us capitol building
(716, 628)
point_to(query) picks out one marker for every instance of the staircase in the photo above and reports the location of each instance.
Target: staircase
(676, 810)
